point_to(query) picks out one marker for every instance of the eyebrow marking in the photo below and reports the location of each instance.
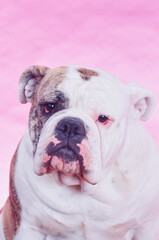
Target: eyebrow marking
(86, 74)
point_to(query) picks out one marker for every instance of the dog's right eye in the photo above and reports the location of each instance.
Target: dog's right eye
(48, 108)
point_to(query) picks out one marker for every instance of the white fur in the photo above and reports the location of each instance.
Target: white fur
(123, 204)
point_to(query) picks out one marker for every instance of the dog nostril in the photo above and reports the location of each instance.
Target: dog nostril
(75, 130)
(65, 128)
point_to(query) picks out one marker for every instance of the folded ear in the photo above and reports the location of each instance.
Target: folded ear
(142, 100)
(29, 80)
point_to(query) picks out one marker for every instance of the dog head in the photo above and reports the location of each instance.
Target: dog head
(78, 118)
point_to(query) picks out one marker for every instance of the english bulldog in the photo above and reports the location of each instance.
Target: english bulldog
(86, 168)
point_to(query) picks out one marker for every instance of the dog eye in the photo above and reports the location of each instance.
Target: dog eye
(49, 107)
(103, 119)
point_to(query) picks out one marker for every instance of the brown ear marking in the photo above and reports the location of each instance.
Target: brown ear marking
(11, 213)
(86, 74)
(26, 87)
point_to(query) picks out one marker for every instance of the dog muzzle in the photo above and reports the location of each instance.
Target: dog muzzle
(67, 151)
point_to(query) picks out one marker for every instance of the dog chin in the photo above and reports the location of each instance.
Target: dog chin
(69, 180)
(67, 168)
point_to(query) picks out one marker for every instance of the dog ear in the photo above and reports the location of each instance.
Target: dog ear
(142, 100)
(29, 80)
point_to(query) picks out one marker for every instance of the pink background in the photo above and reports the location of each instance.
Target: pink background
(121, 37)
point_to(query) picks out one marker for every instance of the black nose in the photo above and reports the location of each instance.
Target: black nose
(70, 128)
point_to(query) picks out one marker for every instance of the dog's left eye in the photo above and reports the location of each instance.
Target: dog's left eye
(103, 119)
(49, 107)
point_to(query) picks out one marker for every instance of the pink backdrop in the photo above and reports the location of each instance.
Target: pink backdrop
(121, 37)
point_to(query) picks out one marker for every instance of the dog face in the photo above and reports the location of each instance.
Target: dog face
(78, 118)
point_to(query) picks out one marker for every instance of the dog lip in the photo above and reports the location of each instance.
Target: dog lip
(67, 154)
(54, 150)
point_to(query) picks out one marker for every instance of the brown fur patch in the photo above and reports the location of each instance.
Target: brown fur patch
(49, 83)
(45, 92)
(86, 74)
(36, 122)
(8, 223)
(12, 210)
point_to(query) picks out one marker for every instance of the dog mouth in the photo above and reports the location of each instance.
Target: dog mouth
(64, 158)
(69, 159)
(67, 152)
